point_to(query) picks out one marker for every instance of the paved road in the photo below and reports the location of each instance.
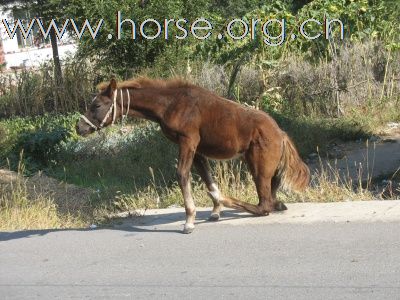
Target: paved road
(237, 258)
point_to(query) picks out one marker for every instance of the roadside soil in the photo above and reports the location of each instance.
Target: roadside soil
(374, 163)
(68, 197)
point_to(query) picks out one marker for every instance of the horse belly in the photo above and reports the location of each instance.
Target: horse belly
(222, 150)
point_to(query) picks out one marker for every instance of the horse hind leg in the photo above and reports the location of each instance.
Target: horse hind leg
(263, 162)
(275, 183)
(203, 168)
(262, 177)
(241, 205)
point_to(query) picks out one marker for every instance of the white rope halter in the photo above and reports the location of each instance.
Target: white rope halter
(112, 109)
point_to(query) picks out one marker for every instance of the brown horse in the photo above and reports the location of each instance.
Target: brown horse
(205, 125)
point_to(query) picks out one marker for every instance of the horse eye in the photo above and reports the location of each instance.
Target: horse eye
(93, 108)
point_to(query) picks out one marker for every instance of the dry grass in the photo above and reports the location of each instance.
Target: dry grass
(34, 91)
(359, 76)
(40, 202)
(22, 207)
(21, 210)
(327, 185)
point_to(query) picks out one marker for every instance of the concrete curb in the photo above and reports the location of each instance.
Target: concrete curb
(301, 213)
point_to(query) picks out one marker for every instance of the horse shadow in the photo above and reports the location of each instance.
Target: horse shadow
(165, 222)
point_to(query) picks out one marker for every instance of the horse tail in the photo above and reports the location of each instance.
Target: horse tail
(293, 173)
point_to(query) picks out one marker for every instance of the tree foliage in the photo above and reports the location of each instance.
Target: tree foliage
(127, 53)
(362, 19)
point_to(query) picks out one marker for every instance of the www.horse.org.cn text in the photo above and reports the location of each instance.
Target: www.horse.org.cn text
(180, 29)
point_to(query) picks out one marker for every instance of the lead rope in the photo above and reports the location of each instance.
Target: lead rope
(124, 117)
(122, 106)
(110, 110)
(115, 107)
(129, 103)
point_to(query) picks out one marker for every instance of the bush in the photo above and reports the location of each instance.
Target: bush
(123, 158)
(38, 138)
(41, 146)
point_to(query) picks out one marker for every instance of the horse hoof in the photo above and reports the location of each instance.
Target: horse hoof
(188, 228)
(214, 217)
(279, 206)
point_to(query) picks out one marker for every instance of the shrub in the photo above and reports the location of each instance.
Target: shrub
(41, 146)
(38, 137)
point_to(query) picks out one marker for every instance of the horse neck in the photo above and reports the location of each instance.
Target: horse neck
(148, 102)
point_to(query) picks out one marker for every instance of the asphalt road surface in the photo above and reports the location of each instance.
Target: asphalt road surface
(319, 260)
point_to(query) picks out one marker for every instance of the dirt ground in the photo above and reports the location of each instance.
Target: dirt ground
(67, 196)
(375, 162)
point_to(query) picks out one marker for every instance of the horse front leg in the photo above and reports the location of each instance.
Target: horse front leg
(203, 168)
(187, 149)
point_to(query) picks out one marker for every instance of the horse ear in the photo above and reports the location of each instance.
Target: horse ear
(113, 84)
(109, 91)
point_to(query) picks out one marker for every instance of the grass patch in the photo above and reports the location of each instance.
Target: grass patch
(114, 161)
(21, 210)
(328, 184)
(312, 133)
(133, 167)
(33, 203)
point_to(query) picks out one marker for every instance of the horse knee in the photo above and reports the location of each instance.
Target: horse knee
(179, 175)
(182, 177)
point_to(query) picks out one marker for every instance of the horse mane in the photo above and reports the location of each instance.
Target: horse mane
(146, 82)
